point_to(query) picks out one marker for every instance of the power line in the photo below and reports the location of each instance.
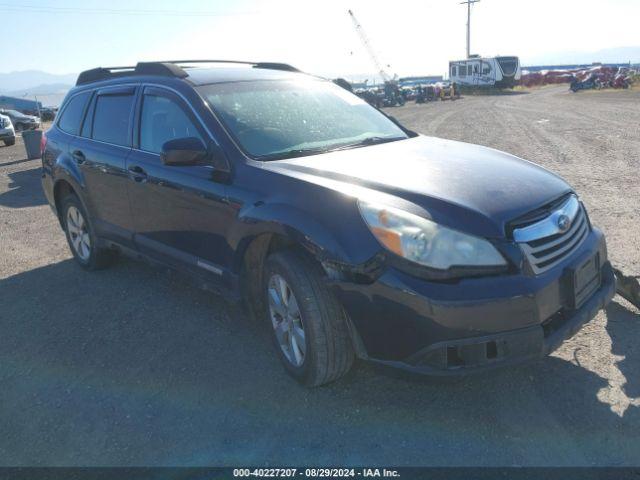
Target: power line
(23, 8)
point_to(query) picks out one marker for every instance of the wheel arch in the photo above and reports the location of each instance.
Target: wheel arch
(63, 187)
(286, 225)
(251, 255)
(264, 228)
(269, 236)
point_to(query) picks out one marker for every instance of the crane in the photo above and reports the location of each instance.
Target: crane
(367, 45)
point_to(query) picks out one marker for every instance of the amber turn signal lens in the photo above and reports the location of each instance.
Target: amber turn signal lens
(389, 239)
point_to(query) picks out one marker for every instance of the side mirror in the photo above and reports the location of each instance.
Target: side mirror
(183, 152)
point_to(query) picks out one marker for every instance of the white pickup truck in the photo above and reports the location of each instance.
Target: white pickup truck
(7, 132)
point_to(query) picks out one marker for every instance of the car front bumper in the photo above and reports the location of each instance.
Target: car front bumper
(7, 134)
(474, 324)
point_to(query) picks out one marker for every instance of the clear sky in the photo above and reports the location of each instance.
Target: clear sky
(413, 36)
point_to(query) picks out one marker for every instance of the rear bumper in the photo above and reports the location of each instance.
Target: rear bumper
(474, 324)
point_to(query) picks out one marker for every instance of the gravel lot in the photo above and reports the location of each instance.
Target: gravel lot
(135, 366)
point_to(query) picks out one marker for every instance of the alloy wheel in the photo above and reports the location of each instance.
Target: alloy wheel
(286, 320)
(78, 233)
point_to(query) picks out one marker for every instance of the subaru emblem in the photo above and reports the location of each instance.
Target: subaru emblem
(564, 223)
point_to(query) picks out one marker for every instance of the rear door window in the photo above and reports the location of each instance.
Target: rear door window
(71, 117)
(112, 118)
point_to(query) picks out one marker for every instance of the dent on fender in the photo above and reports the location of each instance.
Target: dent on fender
(286, 220)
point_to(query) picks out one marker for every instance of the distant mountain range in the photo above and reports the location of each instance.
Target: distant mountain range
(34, 79)
(49, 88)
(608, 55)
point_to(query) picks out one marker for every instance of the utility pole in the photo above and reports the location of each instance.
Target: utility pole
(468, 3)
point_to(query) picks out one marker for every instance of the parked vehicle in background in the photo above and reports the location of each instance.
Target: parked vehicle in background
(595, 76)
(22, 121)
(373, 96)
(447, 91)
(47, 114)
(348, 234)
(621, 80)
(7, 133)
(589, 83)
(499, 72)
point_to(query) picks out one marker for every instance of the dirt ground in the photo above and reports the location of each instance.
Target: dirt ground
(134, 366)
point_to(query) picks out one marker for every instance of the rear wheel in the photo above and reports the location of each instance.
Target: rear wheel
(309, 325)
(81, 236)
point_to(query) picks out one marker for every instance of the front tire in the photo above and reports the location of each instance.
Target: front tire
(309, 325)
(83, 242)
(9, 143)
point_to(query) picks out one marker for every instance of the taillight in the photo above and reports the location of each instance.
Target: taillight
(43, 144)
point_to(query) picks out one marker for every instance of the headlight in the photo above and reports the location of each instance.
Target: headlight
(425, 242)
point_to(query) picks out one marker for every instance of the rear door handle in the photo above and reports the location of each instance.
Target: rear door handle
(79, 157)
(137, 173)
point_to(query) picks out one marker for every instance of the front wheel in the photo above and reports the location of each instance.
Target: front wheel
(309, 325)
(81, 236)
(10, 142)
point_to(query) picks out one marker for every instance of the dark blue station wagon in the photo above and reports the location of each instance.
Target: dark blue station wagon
(349, 234)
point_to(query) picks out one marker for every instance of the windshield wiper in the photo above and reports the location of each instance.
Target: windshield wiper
(296, 152)
(367, 142)
(302, 152)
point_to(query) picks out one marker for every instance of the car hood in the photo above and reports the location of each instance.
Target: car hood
(464, 186)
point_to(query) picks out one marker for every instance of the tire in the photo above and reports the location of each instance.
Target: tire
(328, 350)
(19, 127)
(89, 254)
(10, 143)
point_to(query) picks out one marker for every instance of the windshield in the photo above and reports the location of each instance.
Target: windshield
(278, 119)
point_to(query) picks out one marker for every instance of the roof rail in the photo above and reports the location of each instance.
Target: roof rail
(168, 68)
(142, 68)
(266, 65)
(276, 66)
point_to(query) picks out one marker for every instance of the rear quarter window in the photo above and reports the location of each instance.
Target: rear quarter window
(71, 116)
(112, 118)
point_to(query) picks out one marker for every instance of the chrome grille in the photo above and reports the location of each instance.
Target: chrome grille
(546, 243)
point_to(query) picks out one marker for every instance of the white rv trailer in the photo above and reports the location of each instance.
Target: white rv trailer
(500, 72)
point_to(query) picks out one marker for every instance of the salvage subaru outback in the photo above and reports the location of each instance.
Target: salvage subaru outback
(351, 235)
